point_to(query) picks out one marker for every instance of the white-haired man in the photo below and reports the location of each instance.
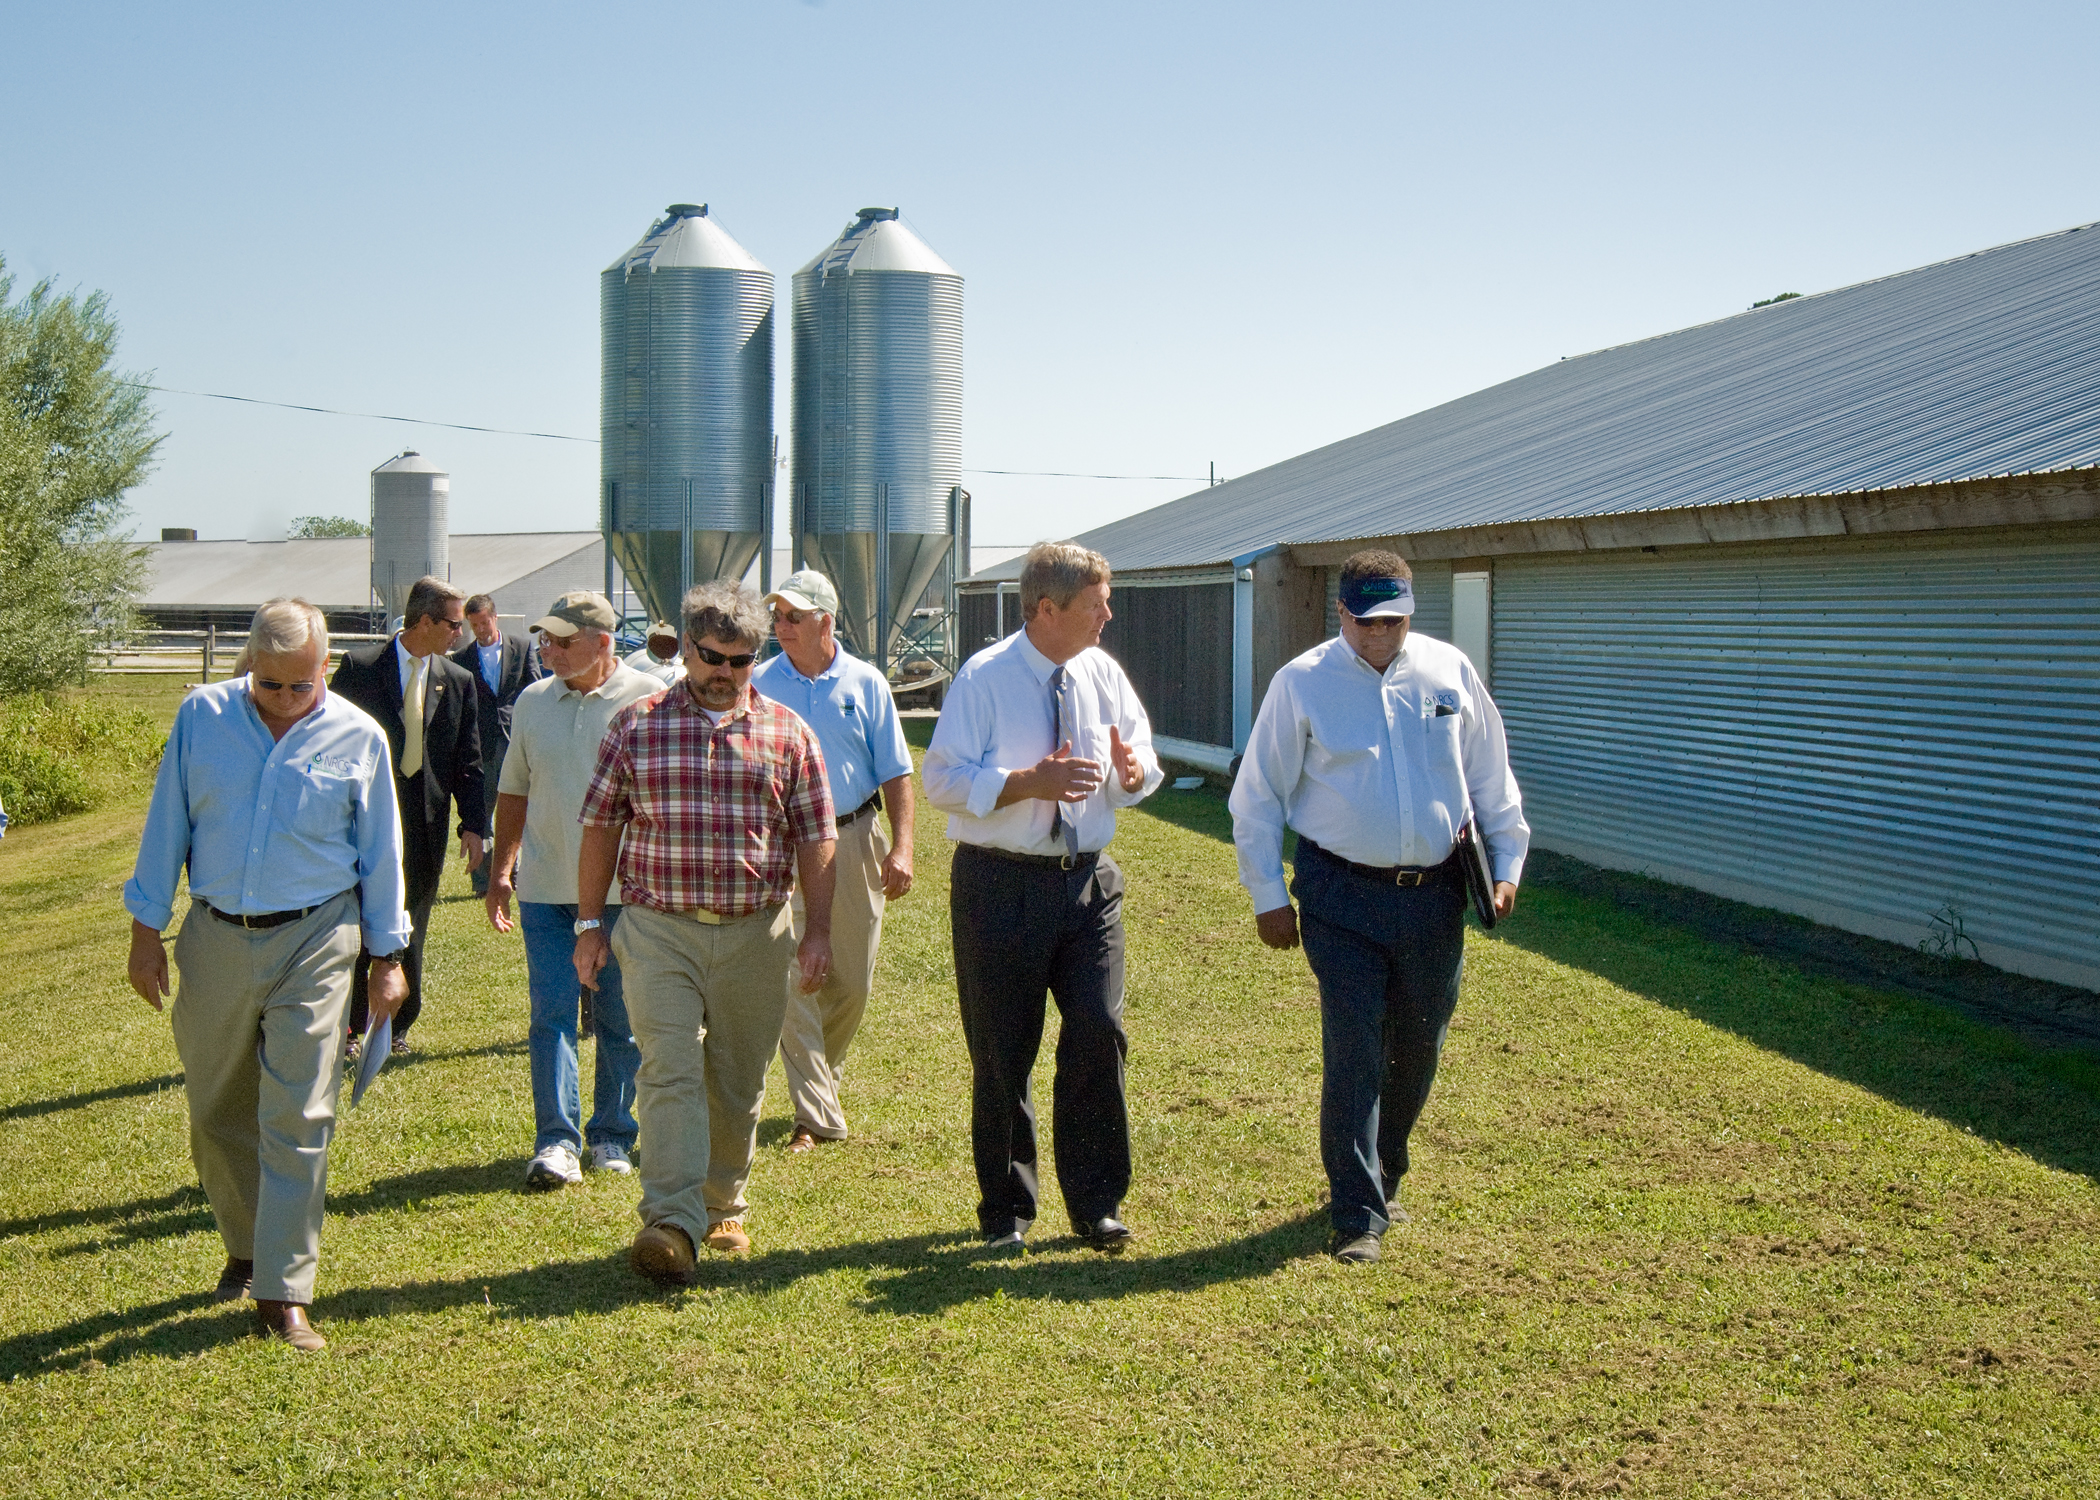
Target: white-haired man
(279, 799)
(722, 800)
(555, 732)
(868, 767)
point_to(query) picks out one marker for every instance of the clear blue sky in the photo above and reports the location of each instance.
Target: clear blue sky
(1190, 233)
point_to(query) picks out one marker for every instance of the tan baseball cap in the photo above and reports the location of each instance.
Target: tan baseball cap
(807, 589)
(576, 609)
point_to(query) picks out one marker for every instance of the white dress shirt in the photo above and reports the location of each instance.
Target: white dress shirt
(996, 720)
(1380, 769)
(555, 733)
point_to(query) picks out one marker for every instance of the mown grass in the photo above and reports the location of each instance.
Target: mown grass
(1686, 1221)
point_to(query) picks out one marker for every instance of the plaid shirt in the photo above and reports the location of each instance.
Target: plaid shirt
(713, 811)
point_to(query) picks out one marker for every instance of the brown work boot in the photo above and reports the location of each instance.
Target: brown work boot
(664, 1254)
(729, 1238)
(804, 1139)
(286, 1322)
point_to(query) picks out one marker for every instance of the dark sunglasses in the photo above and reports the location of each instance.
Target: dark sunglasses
(716, 659)
(301, 688)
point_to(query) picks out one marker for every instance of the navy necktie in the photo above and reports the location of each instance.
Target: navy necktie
(1059, 823)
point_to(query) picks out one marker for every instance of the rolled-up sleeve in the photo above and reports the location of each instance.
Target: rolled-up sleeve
(810, 817)
(164, 847)
(376, 825)
(1269, 771)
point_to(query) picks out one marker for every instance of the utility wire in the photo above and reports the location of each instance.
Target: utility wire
(564, 437)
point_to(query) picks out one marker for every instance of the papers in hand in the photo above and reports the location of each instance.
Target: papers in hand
(372, 1054)
(1480, 876)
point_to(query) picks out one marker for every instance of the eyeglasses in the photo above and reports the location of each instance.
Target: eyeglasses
(301, 688)
(560, 642)
(456, 626)
(789, 616)
(714, 658)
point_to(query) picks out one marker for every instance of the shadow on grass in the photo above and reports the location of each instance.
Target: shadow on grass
(184, 1211)
(464, 1180)
(30, 1108)
(1912, 1051)
(911, 1276)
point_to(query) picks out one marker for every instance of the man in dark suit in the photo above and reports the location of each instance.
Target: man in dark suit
(425, 702)
(502, 668)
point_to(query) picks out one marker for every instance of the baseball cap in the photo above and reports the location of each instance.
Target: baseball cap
(807, 589)
(576, 609)
(661, 631)
(1377, 598)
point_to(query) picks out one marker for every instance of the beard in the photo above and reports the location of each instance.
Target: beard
(717, 696)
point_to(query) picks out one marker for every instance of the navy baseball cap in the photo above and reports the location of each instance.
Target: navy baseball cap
(1377, 598)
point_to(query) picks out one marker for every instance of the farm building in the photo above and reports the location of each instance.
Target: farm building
(1800, 607)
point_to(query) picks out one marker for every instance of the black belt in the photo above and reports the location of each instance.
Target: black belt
(1043, 861)
(872, 805)
(267, 919)
(1383, 874)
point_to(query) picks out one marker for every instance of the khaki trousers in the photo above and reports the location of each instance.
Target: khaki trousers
(820, 1027)
(706, 1005)
(258, 1023)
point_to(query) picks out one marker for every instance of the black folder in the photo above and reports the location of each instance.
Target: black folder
(1480, 876)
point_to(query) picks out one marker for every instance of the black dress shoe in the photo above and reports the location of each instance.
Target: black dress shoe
(401, 1046)
(1005, 1239)
(234, 1280)
(1105, 1234)
(1353, 1249)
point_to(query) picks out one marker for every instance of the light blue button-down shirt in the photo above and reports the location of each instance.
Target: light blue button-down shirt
(850, 708)
(269, 825)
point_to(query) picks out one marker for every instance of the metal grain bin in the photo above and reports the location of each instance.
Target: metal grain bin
(877, 421)
(686, 407)
(411, 529)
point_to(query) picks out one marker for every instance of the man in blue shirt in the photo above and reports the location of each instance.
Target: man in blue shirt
(848, 704)
(280, 801)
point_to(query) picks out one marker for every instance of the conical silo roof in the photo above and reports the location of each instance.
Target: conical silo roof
(686, 236)
(408, 461)
(878, 241)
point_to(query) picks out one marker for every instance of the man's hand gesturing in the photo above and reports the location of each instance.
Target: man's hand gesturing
(1130, 775)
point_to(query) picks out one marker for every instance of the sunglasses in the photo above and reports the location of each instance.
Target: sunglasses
(301, 688)
(715, 658)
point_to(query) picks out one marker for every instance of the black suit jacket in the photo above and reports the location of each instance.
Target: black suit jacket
(517, 672)
(370, 677)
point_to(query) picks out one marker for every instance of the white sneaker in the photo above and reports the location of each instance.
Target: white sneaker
(607, 1156)
(552, 1168)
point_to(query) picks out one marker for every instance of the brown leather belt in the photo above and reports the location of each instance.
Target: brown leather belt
(872, 805)
(1406, 875)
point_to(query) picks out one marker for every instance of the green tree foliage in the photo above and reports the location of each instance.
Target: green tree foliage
(75, 434)
(1767, 302)
(306, 527)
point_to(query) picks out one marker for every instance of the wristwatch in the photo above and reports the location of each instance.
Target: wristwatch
(399, 955)
(588, 924)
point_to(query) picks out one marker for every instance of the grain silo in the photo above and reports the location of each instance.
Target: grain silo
(410, 526)
(686, 408)
(877, 422)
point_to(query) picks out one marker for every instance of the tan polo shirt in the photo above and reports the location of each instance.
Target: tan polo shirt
(555, 732)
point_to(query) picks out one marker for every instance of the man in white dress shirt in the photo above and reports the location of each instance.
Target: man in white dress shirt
(1040, 740)
(1376, 748)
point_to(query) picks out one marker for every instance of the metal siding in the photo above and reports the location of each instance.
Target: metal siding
(1859, 732)
(1176, 646)
(979, 624)
(1983, 365)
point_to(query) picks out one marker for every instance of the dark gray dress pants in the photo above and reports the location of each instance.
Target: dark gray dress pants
(1024, 932)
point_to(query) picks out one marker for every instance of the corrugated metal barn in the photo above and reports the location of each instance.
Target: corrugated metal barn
(1798, 607)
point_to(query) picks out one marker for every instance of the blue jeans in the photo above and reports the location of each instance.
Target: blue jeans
(550, 947)
(1388, 960)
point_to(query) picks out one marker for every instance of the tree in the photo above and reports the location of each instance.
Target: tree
(1769, 301)
(75, 434)
(307, 527)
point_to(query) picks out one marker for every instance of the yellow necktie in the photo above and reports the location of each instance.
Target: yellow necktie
(412, 716)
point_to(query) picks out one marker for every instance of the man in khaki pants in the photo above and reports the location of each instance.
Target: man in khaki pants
(723, 802)
(280, 800)
(867, 765)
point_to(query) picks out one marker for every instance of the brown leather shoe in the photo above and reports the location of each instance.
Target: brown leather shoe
(804, 1139)
(664, 1254)
(728, 1238)
(234, 1280)
(286, 1322)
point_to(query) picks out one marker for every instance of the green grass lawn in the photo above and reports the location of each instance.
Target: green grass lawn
(1685, 1222)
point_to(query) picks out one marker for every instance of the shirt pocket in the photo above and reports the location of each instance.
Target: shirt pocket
(321, 811)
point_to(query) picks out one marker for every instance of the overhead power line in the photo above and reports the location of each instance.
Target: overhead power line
(565, 437)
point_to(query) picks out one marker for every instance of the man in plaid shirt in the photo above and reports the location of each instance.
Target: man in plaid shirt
(723, 801)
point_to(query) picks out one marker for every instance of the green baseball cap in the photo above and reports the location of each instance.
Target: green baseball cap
(576, 609)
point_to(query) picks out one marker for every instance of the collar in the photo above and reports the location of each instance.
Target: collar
(682, 692)
(1040, 666)
(838, 659)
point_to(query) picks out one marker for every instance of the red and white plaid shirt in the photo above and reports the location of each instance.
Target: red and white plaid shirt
(713, 811)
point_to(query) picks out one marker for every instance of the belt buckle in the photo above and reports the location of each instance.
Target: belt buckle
(1407, 877)
(708, 918)
(1068, 861)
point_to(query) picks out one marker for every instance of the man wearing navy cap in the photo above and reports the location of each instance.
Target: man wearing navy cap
(1376, 748)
